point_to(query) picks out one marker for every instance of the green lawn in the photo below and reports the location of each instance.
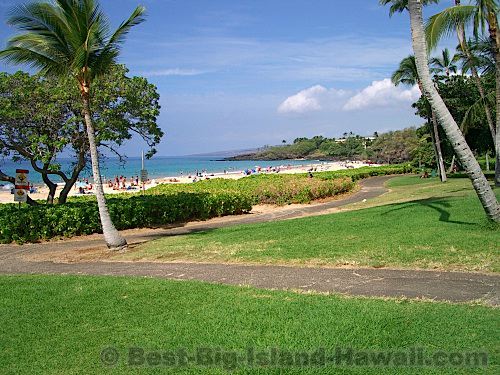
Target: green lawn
(431, 225)
(60, 325)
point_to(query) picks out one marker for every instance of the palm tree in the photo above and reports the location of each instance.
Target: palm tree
(483, 55)
(478, 59)
(444, 63)
(462, 150)
(72, 37)
(484, 12)
(407, 74)
(398, 6)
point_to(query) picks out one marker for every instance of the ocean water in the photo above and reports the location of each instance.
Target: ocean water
(157, 167)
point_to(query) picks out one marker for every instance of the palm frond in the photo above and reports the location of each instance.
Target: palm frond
(34, 59)
(476, 111)
(445, 23)
(406, 73)
(71, 36)
(135, 18)
(399, 6)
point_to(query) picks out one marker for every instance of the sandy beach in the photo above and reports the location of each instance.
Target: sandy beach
(42, 190)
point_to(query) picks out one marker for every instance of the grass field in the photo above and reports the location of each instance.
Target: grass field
(419, 224)
(61, 324)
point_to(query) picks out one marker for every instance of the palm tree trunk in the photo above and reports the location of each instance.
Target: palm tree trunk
(112, 237)
(495, 41)
(452, 165)
(437, 144)
(436, 141)
(462, 150)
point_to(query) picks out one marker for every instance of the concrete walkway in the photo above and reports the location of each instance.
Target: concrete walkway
(440, 286)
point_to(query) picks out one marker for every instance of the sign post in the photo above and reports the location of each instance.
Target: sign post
(144, 178)
(21, 186)
(144, 173)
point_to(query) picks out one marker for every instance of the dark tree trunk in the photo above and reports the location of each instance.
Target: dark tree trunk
(437, 145)
(52, 188)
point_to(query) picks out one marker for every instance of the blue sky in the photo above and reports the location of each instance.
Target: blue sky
(241, 74)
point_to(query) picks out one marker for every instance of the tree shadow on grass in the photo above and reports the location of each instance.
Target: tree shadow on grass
(438, 204)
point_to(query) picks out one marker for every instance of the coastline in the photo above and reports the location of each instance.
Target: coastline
(265, 168)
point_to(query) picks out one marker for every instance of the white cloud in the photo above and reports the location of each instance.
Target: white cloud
(381, 94)
(304, 101)
(174, 72)
(308, 100)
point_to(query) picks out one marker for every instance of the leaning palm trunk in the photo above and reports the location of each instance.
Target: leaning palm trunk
(437, 145)
(112, 237)
(436, 140)
(462, 150)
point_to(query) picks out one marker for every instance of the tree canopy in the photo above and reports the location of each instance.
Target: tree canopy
(42, 117)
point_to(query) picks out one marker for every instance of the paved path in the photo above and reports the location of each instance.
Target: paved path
(442, 286)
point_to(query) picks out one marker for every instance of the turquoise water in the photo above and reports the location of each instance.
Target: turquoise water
(160, 166)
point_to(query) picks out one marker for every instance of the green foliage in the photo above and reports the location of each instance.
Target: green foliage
(460, 94)
(286, 188)
(318, 147)
(270, 189)
(81, 216)
(365, 172)
(396, 146)
(169, 203)
(41, 117)
(491, 162)
(66, 37)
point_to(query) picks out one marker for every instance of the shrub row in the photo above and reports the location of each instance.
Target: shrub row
(482, 163)
(283, 189)
(81, 216)
(167, 204)
(365, 172)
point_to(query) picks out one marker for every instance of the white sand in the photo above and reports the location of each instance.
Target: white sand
(6, 197)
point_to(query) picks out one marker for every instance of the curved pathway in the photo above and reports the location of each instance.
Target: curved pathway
(442, 286)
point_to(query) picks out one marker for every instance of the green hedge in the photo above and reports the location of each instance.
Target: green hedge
(172, 203)
(365, 172)
(270, 189)
(81, 216)
(482, 163)
(286, 188)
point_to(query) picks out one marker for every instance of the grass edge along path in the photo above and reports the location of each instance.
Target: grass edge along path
(442, 227)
